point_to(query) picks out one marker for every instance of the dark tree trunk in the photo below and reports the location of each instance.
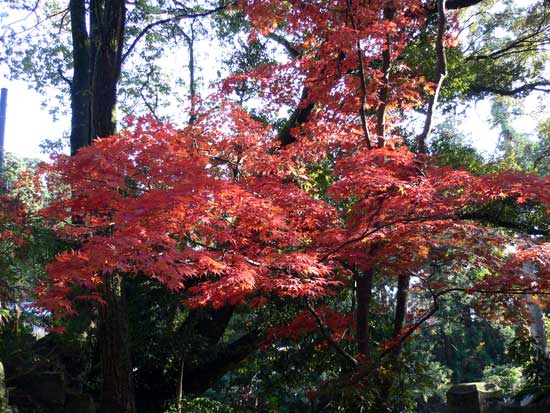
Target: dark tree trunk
(108, 19)
(80, 85)
(97, 59)
(117, 386)
(363, 298)
(400, 310)
(402, 297)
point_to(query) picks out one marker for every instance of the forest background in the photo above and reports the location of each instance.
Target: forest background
(302, 240)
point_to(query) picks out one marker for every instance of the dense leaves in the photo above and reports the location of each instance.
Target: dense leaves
(231, 213)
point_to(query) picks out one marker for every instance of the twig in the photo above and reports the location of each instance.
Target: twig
(328, 337)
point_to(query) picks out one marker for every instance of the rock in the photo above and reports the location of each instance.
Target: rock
(527, 399)
(471, 397)
(542, 405)
(3, 392)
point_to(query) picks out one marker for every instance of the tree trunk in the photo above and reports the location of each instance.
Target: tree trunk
(3, 392)
(400, 316)
(363, 297)
(107, 22)
(97, 59)
(80, 85)
(108, 19)
(402, 298)
(538, 331)
(117, 386)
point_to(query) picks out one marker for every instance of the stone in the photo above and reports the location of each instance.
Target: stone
(472, 397)
(3, 391)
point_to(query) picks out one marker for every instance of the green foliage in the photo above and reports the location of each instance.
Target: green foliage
(450, 147)
(198, 405)
(525, 353)
(507, 376)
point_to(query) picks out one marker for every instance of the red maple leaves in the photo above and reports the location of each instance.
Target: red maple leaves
(221, 209)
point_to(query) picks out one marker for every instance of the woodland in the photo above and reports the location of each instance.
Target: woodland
(299, 224)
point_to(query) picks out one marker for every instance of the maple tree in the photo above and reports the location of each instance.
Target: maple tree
(228, 210)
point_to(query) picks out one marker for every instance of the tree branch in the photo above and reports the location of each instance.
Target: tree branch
(292, 51)
(172, 19)
(362, 110)
(384, 90)
(460, 4)
(541, 86)
(441, 74)
(328, 337)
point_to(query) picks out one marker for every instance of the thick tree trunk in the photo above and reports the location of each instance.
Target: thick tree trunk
(117, 387)
(363, 297)
(97, 59)
(108, 18)
(80, 86)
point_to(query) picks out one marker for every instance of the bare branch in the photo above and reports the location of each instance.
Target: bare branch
(172, 19)
(290, 48)
(384, 90)
(65, 78)
(328, 337)
(542, 86)
(441, 74)
(362, 110)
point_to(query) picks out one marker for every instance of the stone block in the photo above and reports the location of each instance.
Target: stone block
(471, 397)
(3, 392)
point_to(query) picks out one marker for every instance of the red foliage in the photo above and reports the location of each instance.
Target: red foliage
(220, 209)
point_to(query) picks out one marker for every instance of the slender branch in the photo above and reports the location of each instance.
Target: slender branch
(172, 19)
(441, 74)
(384, 90)
(542, 86)
(292, 51)
(65, 78)
(517, 46)
(149, 106)
(362, 110)
(328, 337)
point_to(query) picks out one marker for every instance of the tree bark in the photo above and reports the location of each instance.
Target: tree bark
(97, 60)
(402, 297)
(117, 393)
(108, 20)
(538, 331)
(80, 85)
(363, 297)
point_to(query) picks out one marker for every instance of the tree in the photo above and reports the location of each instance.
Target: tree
(349, 204)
